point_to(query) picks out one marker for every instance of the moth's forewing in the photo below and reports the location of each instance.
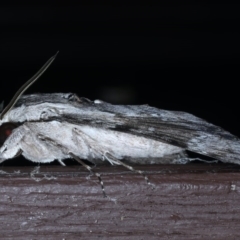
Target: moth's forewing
(176, 128)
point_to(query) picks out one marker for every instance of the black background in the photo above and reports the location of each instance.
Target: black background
(176, 56)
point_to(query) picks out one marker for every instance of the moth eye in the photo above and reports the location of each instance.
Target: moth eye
(5, 131)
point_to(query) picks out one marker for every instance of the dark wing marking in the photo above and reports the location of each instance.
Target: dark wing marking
(176, 128)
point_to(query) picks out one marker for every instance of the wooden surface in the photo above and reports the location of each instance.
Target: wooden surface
(196, 201)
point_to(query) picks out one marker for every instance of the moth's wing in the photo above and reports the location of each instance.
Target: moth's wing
(176, 128)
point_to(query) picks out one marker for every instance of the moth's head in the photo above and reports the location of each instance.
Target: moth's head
(7, 127)
(5, 131)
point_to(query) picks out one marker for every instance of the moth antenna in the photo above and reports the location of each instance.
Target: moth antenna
(26, 85)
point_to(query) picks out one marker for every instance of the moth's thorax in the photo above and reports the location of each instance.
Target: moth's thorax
(47, 111)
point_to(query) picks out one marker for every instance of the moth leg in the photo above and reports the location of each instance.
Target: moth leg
(90, 170)
(18, 153)
(61, 162)
(54, 143)
(114, 160)
(105, 156)
(81, 139)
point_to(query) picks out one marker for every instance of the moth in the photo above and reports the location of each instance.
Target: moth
(57, 126)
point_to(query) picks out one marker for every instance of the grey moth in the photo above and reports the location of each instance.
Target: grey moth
(57, 126)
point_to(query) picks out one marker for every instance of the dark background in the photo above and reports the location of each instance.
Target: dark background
(176, 56)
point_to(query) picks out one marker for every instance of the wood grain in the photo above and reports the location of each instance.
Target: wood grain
(195, 201)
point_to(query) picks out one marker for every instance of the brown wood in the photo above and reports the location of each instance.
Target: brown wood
(196, 201)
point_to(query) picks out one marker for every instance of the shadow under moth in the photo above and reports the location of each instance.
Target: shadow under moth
(57, 126)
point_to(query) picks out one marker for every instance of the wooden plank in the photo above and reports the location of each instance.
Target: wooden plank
(195, 201)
